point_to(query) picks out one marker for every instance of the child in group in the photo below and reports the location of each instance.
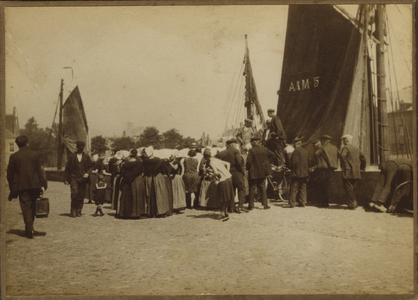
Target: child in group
(99, 191)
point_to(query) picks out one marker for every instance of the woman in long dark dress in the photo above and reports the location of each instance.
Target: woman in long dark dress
(166, 172)
(116, 170)
(178, 186)
(158, 192)
(191, 177)
(131, 187)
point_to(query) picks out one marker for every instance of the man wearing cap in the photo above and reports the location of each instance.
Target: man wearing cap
(327, 157)
(299, 174)
(77, 171)
(245, 134)
(232, 155)
(258, 166)
(352, 162)
(277, 141)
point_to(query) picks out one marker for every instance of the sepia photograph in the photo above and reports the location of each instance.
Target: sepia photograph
(178, 149)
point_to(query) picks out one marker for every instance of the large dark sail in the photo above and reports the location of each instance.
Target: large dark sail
(321, 51)
(75, 126)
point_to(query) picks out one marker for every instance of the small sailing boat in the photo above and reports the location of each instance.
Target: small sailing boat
(72, 126)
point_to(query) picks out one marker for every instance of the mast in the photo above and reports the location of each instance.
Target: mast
(59, 165)
(247, 66)
(250, 88)
(381, 85)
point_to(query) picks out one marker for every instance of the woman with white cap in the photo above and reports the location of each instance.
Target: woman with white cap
(157, 193)
(225, 188)
(178, 186)
(116, 179)
(132, 187)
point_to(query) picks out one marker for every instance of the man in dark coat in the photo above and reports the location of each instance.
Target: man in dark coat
(233, 156)
(327, 161)
(77, 172)
(26, 178)
(299, 165)
(352, 162)
(277, 141)
(258, 166)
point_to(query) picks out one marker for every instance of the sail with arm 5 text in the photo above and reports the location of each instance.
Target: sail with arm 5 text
(331, 83)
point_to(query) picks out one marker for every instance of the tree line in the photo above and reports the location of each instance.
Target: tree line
(170, 139)
(44, 141)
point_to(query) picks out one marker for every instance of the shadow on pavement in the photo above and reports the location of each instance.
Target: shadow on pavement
(210, 216)
(20, 232)
(336, 206)
(403, 215)
(64, 215)
(282, 204)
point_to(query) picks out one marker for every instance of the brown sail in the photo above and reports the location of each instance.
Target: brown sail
(74, 122)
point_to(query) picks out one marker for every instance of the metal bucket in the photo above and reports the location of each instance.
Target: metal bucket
(42, 207)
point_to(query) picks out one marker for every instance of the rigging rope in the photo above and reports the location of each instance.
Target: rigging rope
(53, 121)
(241, 107)
(403, 57)
(233, 97)
(407, 141)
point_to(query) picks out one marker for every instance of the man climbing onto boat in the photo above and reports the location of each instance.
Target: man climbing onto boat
(393, 173)
(245, 134)
(277, 141)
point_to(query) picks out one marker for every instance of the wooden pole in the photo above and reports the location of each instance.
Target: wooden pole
(59, 165)
(381, 85)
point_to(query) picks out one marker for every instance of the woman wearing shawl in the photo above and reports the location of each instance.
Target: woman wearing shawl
(220, 169)
(158, 192)
(178, 186)
(131, 199)
(208, 196)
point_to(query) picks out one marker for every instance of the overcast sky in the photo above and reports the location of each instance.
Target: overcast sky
(169, 67)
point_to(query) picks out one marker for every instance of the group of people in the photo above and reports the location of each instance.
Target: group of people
(139, 184)
(321, 167)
